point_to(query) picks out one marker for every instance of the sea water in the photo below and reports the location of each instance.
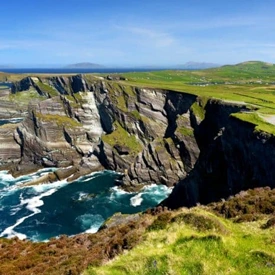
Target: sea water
(49, 210)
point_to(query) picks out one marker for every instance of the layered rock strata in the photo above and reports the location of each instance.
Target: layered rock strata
(80, 124)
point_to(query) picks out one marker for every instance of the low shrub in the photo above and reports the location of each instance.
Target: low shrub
(253, 201)
(160, 222)
(269, 223)
(200, 222)
(246, 218)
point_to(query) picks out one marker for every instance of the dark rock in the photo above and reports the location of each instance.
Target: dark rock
(122, 150)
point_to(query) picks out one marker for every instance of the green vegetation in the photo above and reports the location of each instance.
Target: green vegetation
(26, 96)
(185, 131)
(183, 127)
(197, 242)
(47, 89)
(247, 72)
(260, 124)
(59, 120)
(121, 137)
(198, 107)
(206, 240)
(118, 95)
(250, 83)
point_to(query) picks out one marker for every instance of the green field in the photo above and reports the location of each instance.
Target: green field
(250, 83)
(197, 242)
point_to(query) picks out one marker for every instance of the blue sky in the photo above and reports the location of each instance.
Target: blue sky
(136, 33)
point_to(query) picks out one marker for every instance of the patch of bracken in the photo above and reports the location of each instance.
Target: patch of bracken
(247, 205)
(69, 255)
(269, 223)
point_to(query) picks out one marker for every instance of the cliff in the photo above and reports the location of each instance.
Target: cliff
(86, 124)
(234, 157)
(93, 124)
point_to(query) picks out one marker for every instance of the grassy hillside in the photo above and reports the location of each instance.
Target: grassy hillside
(197, 241)
(228, 237)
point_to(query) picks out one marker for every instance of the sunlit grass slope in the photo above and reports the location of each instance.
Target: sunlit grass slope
(197, 242)
(250, 83)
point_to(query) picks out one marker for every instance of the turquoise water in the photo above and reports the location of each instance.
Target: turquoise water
(13, 120)
(49, 210)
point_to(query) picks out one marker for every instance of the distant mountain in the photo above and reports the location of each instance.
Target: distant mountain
(84, 65)
(198, 65)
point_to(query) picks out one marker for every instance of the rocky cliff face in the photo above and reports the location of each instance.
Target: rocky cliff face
(152, 136)
(233, 157)
(93, 124)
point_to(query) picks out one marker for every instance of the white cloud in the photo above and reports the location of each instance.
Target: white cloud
(146, 36)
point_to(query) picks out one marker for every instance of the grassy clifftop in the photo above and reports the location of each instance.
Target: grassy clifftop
(197, 241)
(250, 83)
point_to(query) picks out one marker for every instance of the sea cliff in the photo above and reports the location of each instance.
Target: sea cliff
(80, 124)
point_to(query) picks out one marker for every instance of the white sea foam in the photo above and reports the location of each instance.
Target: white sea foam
(13, 120)
(136, 200)
(5, 177)
(47, 186)
(82, 196)
(32, 204)
(153, 192)
(15, 209)
(116, 193)
(90, 223)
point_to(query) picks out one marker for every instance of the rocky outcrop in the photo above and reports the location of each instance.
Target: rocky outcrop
(93, 124)
(10, 151)
(233, 157)
(158, 136)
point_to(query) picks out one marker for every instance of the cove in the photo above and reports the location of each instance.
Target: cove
(49, 210)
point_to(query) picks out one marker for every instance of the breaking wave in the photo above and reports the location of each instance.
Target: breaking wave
(48, 210)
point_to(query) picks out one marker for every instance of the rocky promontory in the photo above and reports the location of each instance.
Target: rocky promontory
(80, 124)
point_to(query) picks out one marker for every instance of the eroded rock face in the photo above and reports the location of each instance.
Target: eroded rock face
(148, 134)
(10, 151)
(233, 158)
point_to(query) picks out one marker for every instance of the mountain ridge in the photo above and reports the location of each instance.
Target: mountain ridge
(85, 65)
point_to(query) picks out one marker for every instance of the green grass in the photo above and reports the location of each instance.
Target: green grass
(120, 94)
(260, 124)
(47, 89)
(121, 137)
(183, 127)
(59, 120)
(26, 96)
(249, 83)
(182, 248)
(253, 71)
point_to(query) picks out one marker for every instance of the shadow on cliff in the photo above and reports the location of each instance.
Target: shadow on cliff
(233, 157)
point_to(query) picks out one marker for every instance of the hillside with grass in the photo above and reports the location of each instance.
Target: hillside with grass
(251, 83)
(228, 237)
(232, 237)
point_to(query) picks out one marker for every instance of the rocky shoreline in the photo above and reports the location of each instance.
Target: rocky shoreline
(81, 124)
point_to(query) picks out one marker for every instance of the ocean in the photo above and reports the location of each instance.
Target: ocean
(44, 211)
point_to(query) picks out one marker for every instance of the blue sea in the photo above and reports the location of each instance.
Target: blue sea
(49, 210)
(44, 211)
